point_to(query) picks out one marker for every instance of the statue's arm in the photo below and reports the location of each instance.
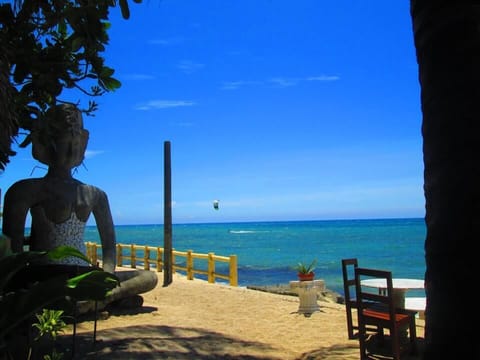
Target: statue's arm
(104, 221)
(15, 209)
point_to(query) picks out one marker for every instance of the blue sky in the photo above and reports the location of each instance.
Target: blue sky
(281, 110)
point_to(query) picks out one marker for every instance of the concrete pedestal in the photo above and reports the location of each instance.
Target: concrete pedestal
(308, 294)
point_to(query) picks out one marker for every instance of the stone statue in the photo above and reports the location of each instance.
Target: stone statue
(61, 205)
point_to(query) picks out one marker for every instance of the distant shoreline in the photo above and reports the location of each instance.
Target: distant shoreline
(91, 223)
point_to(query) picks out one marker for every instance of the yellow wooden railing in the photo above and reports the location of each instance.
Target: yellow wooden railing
(94, 249)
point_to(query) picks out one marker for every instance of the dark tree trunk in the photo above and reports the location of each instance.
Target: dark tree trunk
(447, 40)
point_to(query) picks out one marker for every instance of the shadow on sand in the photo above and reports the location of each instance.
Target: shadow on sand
(352, 352)
(181, 343)
(164, 342)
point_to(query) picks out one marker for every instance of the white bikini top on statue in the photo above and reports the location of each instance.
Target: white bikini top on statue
(69, 233)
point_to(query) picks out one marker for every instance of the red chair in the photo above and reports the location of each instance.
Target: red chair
(378, 309)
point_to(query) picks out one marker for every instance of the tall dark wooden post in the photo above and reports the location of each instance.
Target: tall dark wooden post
(167, 215)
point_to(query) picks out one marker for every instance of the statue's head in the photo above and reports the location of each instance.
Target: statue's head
(60, 139)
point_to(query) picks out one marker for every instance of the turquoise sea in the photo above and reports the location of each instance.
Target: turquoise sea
(267, 251)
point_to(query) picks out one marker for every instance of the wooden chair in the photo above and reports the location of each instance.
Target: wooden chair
(379, 310)
(348, 270)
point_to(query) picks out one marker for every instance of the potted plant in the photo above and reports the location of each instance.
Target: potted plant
(305, 272)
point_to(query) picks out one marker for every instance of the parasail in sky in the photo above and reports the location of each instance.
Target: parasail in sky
(215, 204)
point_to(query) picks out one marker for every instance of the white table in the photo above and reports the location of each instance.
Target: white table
(400, 287)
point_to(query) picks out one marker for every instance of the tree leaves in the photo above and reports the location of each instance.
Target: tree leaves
(48, 46)
(94, 285)
(124, 8)
(63, 251)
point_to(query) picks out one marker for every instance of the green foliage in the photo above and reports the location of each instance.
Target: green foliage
(49, 323)
(303, 268)
(63, 251)
(22, 303)
(49, 46)
(54, 356)
(93, 285)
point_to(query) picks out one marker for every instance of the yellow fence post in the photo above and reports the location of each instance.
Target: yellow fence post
(159, 259)
(189, 265)
(89, 250)
(211, 268)
(94, 254)
(133, 259)
(233, 270)
(173, 261)
(119, 255)
(146, 258)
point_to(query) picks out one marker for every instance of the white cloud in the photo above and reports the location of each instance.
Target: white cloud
(280, 82)
(185, 124)
(233, 85)
(283, 82)
(323, 78)
(167, 41)
(138, 77)
(164, 104)
(189, 67)
(92, 153)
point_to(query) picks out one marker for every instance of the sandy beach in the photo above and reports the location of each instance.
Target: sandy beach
(192, 319)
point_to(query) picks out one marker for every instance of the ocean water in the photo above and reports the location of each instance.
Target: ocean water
(267, 251)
